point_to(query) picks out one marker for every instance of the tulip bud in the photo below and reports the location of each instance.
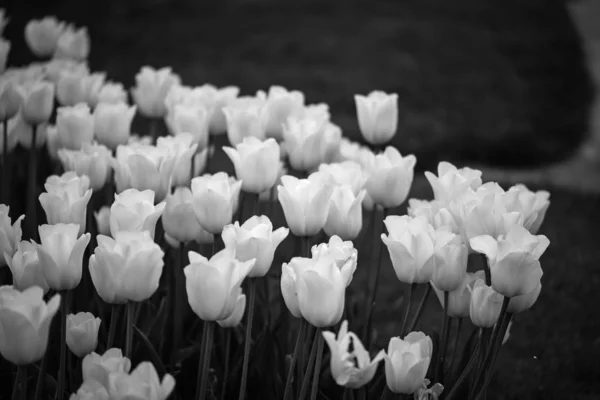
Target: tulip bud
(236, 316)
(304, 142)
(82, 333)
(390, 178)
(244, 120)
(485, 305)
(213, 286)
(190, 119)
(304, 203)
(112, 123)
(214, 200)
(256, 163)
(343, 253)
(513, 260)
(282, 104)
(346, 173)
(531, 205)
(56, 68)
(351, 365)
(525, 301)
(254, 240)
(10, 233)
(449, 262)
(459, 300)
(344, 217)
(93, 161)
(182, 149)
(92, 84)
(25, 267)
(70, 87)
(96, 367)
(25, 323)
(377, 116)
(126, 268)
(90, 390)
(222, 98)
(152, 86)
(315, 289)
(38, 102)
(111, 93)
(42, 35)
(52, 142)
(179, 220)
(11, 99)
(142, 383)
(61, 254)
(407, 361)
(24, 132)
(452, 182)
(75, 126)
(73, 44)
(134, 211)
(66, 199)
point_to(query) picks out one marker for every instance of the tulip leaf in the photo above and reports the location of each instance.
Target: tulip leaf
(160, 368)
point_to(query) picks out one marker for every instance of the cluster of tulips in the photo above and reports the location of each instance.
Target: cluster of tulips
(128, 219)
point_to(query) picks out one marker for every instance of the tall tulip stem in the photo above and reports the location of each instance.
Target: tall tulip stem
(204, 366)
(227, 357)
(129, 329)
(39, 386)
(248, 340)
(309, 367)
(5, 174)
(409, 297)
(20, 387)
(420, 309)
(439, 366)
(297, 348)
(114, 321)
(377, 250)
(177, 304)
(455, 345)
(62, 365)
(31, 186)
(465, 374)
(318, 361)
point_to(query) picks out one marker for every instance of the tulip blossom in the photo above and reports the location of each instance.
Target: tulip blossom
(66, 199)
(92, 84)
(182, 148)
(61, 254)
(12, 135)
(315, 288)
(141, 384)
(236, 316)
(304, 141)
(343, 253)
(531, 205)
(179, 220)
(134, 211)
(525, 301)
(351, 365)
(213, 286)
(111, 93)
(215, 198)
(346, 173)
(25, 323)
(449, 263)
(344, 217)
(256, 163)
(102, 217)
(281, 104)
(452, 182)
(244, 120)
(10, 233)
(305, 203)
(11, 99)
(126, 268)
(513, 260)
(192, 120)
(459, 300)
(38, 101)
(112, 123)
(96, 367)
(254, 239)
(377, 116)
(407, 361)
(70, 87)
(222, 97)
(26, 268)
(24, 132)
(42, 35)
(485, 306)
(73, 44)
(91, 389)
(75, 126)
(82, 333)
(412, 244)
(390, 177)
(93, 161)
(152, 86)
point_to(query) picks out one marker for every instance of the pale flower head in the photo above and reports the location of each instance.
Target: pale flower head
(112, 123)
(256, 163)
(451, 182)
(281, 104)
(377, 116)
(26, 268)
(215, 199)
(390, 177)
(42, 35)
(407, 361)
(73, 44)
(82, 333)
(10, 233)
(134, 211)
(152, 86)
(93, 161)
(245, 119)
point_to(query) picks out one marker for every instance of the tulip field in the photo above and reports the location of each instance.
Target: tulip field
(198, 241)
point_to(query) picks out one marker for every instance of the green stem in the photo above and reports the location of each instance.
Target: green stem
(39, 387)
(5, 174)
(420, 309)
(176, 301)
(227, 356)
(114, 321)
(361, 393)
(20, 386)
(309, 367)
(439, 366)
(318, 362)
(455, 345)
(306, 248)
(32, 184)
(288, 383)
(208, 155)
(466, 371)
(154, 129)
(201, 357)
(411, 291)
(62, 366)
(129, 328)
(378, 250)
(248, 340)
(208, 333)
